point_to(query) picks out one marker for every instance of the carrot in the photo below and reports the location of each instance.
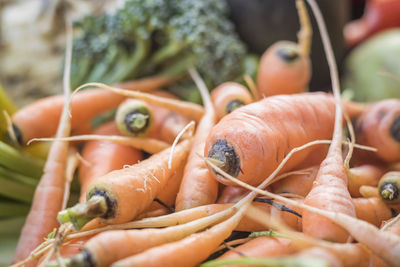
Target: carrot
(149, 145)
(379, 127)
(102, 157)
(29, 121)
(388, 248)
(299, 184)
(134, 118)
(229, 96)
(285, 67)
(167, 124)
(148, 84)
(369, 191)
(389, 188)
(262, 246)
(198, 186)
(363, 175)
(251, 141)
(372, 210)
(169, 192)
(392, 225)
(329, 191)
(230, 194)
(189, 110)
(111, 196)
(48, 198)
(189, 251)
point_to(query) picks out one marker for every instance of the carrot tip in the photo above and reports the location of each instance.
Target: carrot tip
(82, 213)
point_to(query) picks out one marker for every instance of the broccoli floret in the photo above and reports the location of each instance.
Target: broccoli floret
(158, 37)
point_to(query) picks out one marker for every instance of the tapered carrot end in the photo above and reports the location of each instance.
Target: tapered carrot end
(82, 213)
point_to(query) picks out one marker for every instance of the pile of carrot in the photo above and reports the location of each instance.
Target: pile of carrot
(166, 182)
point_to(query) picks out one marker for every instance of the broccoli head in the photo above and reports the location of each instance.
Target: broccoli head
(158, 37)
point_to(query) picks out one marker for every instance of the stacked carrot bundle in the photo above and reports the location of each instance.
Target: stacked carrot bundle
(276, 163)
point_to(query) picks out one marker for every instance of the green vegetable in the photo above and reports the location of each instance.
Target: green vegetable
(157, 37)
(16, 190)
(15, 160)
(13, 209)
(373, 68)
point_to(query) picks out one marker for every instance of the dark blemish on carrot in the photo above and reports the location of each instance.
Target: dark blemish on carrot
(230, 162)
(170, 209)
(395, 129)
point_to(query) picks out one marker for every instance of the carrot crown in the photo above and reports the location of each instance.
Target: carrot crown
(82, 213)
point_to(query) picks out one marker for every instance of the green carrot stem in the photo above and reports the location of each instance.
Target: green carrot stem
(82, 213)
(19, 162)
(13, 209)
(16, 177)
(16, 190)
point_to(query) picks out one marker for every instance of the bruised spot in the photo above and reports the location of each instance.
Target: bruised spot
(395, 129)
(230, 162)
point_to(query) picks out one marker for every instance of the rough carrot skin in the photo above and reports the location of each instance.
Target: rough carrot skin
(41, 118)
(283, 70)
(132, 189)
(231, 194)
(229, 96)
(329, 192)
(262, 247)
(253, 140)
(102, 157)
(379, 127)
(372, 210)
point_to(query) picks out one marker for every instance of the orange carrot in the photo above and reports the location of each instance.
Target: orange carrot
(379, 127)
(363, 175)
(198, 186)
(170, 190)
(189, 251)
(40, 119)
(369, 191)
(111, 196)
(372, 210)
(230, 194)
(299, 184)
(251, 141)
(102, 157)
(285, 67)
(329, 191)
(262, 246)
(229, 96)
